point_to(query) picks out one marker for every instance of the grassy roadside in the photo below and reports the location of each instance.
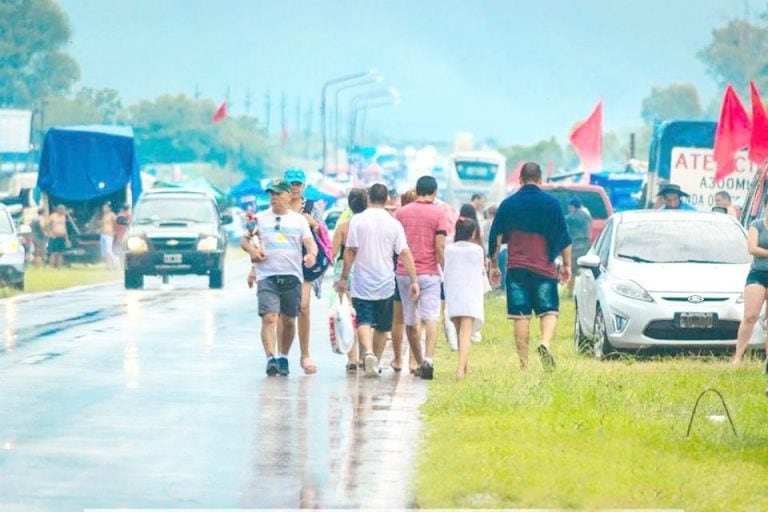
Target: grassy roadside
(45, 279)
(592, 434)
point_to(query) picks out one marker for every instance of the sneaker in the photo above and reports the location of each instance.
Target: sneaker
(351, 367)
(282, 363)
(476, 337)
(272, 367)
(547, 361)
(427, 370)
(371, 365)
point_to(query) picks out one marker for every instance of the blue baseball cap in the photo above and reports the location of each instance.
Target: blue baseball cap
(295, 175)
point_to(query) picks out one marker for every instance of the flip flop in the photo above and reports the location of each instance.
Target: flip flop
(395, 368)
(308, 365)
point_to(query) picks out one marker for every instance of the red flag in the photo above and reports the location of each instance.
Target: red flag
(732, 133)
(758, 140)
(221, 113)
(587, 140)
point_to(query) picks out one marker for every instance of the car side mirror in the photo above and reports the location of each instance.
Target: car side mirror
(226, 219)
(123, 220)
(590, 260)
(24, 229)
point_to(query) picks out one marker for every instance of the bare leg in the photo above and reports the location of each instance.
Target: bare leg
(522, 333)
(287, 334)
(269, 334)
(430, 327)
(365, 337)
(379, 343)
(306, 360)
(547, 325)
(398, 331)
(414, 342)
(754, 296)
(464, 325)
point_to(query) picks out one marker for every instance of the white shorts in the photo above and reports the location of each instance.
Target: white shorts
(428, 305)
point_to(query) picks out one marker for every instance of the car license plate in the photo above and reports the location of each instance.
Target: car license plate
(696, 320)
(172, 259)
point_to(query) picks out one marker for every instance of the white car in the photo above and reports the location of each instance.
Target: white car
(11, 252)
(662, 278)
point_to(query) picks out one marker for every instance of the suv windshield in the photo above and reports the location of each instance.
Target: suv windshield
(177, 208)
(674, 241)
(6, 224)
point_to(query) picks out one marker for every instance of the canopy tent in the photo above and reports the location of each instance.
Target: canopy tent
(200, 184)
(248, 193)
(315, 194)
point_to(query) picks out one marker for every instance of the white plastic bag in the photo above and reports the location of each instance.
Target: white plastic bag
(342, 325)
(450, 332)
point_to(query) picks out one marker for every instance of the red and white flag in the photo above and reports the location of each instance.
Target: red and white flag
(587, 140)
(221, 113)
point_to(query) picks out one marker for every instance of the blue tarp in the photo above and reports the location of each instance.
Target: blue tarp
(79, 163)
(671, 134)
(622, 187)
(249, 194)
(314, 194)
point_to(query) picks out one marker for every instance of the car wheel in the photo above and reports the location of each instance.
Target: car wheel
(133, 280)
(216, 279)
(602, 348)
(581, 343)
(19, 285)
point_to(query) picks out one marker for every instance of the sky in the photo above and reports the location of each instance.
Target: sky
(517, 71)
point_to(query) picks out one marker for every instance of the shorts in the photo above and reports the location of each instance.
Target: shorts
(528, 291)
(279, 294)
(105, 243)
(578, 249)
(57, 244)
(758, 277)
(428, 305)
(376, 313)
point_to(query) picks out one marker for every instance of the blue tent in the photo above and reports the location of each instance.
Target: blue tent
(249, 193)
(314, 194)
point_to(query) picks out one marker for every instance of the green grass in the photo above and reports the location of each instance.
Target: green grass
(44, 279)
(591, 434)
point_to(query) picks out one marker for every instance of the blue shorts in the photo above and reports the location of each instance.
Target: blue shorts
(376, 313)
(758, 277)
(528, 291)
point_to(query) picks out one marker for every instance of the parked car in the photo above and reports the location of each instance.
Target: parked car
(331, 217)
(662, 278)
(173, 232)
(593, 198)
(11, 251)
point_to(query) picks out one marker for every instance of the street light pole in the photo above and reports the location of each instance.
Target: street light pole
(323, 124)
(389, 92)
(372, 79)
(368, 106)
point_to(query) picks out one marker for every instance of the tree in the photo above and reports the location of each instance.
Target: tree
(87, 106)
(32, 65)
(676, 101)
(737, 54)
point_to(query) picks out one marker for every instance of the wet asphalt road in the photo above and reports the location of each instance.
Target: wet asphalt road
(158, 398)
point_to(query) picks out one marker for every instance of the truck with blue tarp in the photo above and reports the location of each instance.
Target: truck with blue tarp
(84, 167)
(681, 153)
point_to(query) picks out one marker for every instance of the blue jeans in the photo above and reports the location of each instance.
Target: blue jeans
(528, 291)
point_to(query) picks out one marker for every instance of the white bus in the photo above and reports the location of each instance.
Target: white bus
(477, 172)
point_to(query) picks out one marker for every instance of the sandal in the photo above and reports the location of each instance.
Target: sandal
(351, 367)
(395, 368)
(308, 365)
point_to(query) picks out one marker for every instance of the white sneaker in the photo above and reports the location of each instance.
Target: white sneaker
(371, 365)
(477, 337)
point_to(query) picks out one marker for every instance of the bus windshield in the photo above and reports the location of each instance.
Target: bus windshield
(481, 171)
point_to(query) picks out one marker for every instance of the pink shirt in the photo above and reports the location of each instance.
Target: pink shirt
(422, 222)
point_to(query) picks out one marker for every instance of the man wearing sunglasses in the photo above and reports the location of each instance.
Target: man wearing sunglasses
(278, 264)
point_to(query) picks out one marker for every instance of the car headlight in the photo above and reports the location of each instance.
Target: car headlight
(135, 244)
(9, 246)
(207, 244)
(631, 289)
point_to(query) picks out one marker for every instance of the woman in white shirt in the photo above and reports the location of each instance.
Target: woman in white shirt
(463, 277)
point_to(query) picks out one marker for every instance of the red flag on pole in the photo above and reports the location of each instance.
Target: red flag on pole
(221, 113)
(587, 140)
(732, 133)
(758, 140)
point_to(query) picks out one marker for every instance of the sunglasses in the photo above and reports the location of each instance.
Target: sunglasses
(296, 183)
(277, 223)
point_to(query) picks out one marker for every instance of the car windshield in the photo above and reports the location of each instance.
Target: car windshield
(592, 201)
(6, 224)
(183, 209)
(483, 171)
(677, 241)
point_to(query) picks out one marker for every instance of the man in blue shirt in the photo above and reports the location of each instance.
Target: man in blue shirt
(672, 195)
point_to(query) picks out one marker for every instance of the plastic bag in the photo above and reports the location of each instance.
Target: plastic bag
(341, 323)
(450, 332)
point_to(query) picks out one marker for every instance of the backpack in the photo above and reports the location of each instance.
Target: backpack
(322, 240)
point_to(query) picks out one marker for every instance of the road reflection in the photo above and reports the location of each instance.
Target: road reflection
(9, 324)
(132, 321)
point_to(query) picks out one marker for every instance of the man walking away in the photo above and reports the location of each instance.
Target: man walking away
(579, 223)
(374, 238)
(278, 262)
(533, 225)
(426, 226)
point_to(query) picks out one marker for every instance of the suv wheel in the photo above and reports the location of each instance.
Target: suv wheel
(216, 279)
(133, 280)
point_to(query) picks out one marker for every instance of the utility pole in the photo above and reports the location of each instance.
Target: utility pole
(267, 112)
(283, 126)
(308, 128)
(248, 102)
(196, 94)
(226, 98)
(297, 126)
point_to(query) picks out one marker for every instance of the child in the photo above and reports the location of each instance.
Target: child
(463, 276)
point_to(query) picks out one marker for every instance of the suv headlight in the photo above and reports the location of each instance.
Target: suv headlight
(208, 244)
(631, 289)
(9, 246)
(136, 244)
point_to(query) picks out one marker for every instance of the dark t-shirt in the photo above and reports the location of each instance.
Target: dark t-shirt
(579, 225)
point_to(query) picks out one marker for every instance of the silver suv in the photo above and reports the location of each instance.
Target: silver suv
(11, 252)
